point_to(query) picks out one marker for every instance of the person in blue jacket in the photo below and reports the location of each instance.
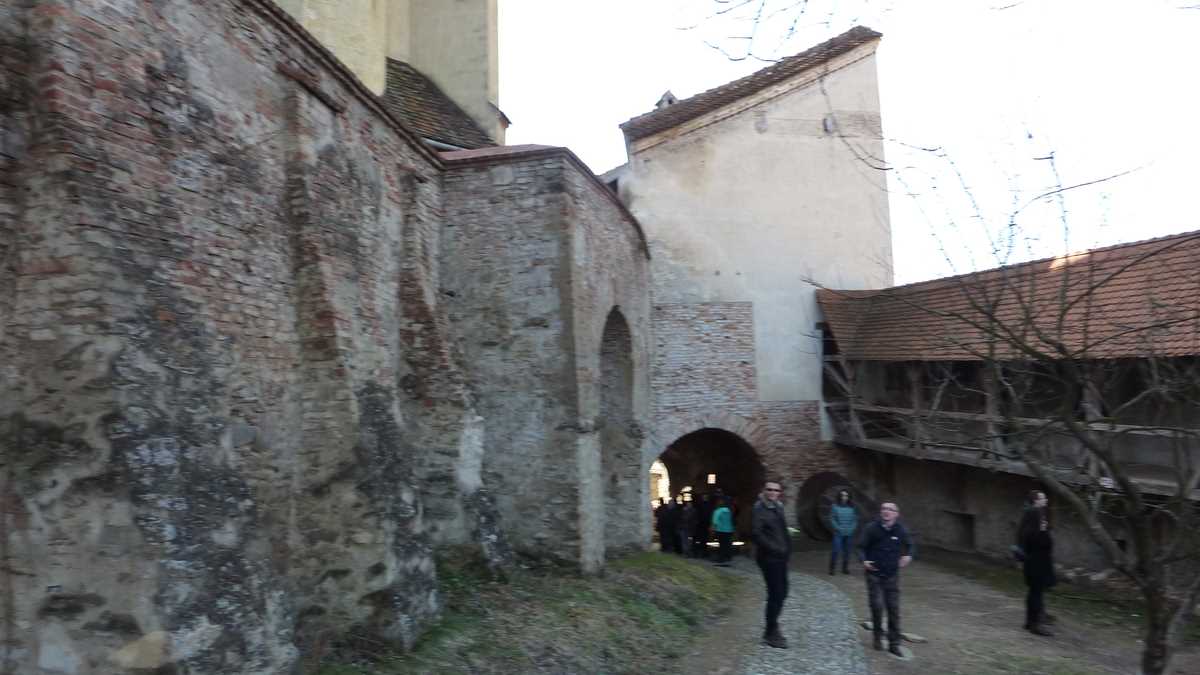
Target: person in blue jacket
(884, 548)
(843, 522)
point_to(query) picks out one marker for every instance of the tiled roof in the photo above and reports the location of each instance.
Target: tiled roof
(695, 106)
(1130, 300)
(417, 102)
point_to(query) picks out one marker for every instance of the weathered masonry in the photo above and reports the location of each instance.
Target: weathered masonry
(239, 295)
(544, 279)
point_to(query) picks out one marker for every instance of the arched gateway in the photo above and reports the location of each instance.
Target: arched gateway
(712, 461)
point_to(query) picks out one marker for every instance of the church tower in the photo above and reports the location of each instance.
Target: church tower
(452, 42)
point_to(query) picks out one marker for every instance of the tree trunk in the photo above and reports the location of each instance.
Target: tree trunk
(1158, 650)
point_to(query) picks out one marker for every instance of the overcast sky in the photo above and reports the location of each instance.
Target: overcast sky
(1108, 86)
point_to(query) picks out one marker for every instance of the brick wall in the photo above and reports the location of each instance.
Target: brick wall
(794, 447)
(703, 359)
(704, 376)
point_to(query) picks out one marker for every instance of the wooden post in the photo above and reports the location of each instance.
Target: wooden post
(991, 408)
(856, 427)
(916, 398)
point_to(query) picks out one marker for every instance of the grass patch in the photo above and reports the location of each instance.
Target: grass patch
(635, 617)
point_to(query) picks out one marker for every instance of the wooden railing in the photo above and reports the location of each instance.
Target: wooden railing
(989, 441)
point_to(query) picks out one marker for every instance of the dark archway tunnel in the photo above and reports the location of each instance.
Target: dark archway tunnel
(733, 463)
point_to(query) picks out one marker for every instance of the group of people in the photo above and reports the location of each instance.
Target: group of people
(686, 527)
(884, 547)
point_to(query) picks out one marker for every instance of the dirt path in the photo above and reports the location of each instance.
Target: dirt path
(972, 629)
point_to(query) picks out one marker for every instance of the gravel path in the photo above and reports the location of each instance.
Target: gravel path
(817, 620)
(972, 629)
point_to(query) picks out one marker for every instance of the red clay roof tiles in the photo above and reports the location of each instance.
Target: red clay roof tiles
(1130, 300)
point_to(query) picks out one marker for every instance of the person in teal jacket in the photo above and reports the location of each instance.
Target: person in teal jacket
(843, 521)
(722, 524)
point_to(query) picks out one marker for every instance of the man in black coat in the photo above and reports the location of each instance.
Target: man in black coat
(772, 546)
(884, 548)
(1034, 538)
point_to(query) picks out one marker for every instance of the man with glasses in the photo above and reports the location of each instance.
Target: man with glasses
(772, 545)
(885, 547)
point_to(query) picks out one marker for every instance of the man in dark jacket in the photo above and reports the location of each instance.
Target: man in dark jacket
(1038, 548)
(772, 545)
(884, 548)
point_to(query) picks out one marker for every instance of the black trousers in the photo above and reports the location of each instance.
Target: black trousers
(1035, 605)
(775, 574)
(885, 591)
(725, 539)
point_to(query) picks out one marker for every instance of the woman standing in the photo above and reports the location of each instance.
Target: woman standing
(1033, 536)
(722, 524)
(843, 521)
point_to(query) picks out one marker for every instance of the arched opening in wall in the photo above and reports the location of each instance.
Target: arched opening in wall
(818, 494)
(620, 439)
(708, 464)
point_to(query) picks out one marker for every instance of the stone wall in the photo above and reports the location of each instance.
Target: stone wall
(235, 295)
(610, 295)
(505, 287)
(221, 340)
(964, 508)
(535, 259)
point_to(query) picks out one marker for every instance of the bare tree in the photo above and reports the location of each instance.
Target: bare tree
(1084, 370)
